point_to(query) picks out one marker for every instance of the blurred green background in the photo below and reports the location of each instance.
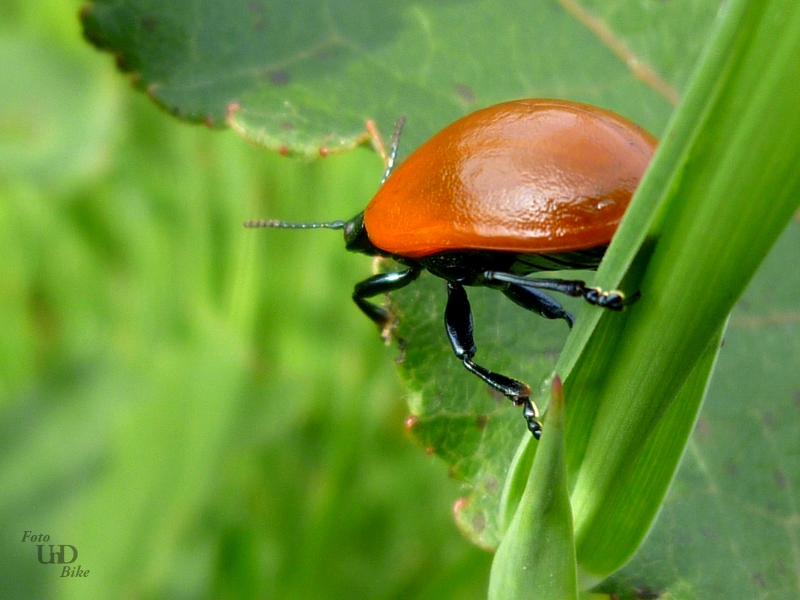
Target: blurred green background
(197, 408)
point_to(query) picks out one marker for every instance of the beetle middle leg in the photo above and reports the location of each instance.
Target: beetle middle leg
(459, 326)
(610, 299)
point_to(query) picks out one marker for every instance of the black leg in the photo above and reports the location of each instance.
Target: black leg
(612, 299)
(538, 302)
(381, 284)
(459, 327)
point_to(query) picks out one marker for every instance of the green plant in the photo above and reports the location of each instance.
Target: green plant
(637, 380)
(717, 197)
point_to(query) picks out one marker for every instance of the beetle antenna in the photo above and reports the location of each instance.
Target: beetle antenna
(398, 129)
(255, 224)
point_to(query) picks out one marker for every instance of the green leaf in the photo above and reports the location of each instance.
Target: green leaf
(298, 77)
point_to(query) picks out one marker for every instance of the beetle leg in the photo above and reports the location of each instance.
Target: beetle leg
(537, 302)
(611, 299)
(381, 284)
(459, 326)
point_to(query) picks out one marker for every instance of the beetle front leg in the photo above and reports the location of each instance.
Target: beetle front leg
(381, 284)
(459, 326)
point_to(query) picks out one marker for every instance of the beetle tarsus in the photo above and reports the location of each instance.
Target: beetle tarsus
(516, 391)
(531, 414)
(612, 300)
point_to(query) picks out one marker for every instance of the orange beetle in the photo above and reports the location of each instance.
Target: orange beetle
(509, 190)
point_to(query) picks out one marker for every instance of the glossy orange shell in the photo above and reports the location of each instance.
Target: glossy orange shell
(528, 176)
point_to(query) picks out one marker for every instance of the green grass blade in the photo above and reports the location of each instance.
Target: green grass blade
(536, 558)
(728, 173)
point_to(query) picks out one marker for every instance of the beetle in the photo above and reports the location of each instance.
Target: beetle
(507, 191)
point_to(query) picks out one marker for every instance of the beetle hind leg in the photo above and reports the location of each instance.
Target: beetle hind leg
(459, 325)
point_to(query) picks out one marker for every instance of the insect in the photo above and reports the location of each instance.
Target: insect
(509, 190)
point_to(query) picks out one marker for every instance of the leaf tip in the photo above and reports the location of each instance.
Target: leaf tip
(555, 410)
(557, 389)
